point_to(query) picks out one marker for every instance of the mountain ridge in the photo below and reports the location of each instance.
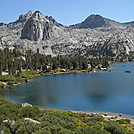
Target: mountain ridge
(30, 12)
(106, 38)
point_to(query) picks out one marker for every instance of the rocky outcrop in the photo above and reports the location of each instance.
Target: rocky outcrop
(24, 17)
(3, 24)
(36, 28)
(95, 37)
(52, 20)
(32, 121)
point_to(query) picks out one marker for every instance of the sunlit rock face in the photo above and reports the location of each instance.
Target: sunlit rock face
(36, 28)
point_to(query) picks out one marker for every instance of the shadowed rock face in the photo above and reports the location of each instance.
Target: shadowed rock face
(2, 24)
(129, 23)
(95, 37)
(93, 21)
(96, 21)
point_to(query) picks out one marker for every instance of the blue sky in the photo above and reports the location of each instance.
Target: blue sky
(69, 11)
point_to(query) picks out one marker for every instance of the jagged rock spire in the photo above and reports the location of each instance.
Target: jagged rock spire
(36, 28)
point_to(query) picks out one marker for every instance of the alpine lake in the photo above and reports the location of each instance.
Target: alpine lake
(110, 91)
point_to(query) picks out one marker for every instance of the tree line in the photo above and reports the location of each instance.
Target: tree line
(14, 61)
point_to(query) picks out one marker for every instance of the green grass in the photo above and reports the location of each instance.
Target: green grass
(15, 79)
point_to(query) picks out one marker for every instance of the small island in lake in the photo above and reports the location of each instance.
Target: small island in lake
(127, 71)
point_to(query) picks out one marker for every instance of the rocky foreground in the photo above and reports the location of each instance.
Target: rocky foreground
(95, 37)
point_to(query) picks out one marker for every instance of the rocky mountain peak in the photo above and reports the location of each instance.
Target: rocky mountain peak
(37, 12)
(24, 17)
(93, 21)
(53, 21)
(28, 14)
(38, 15)
(94, 17)
(36, 28)
(2, 24)
(96, 21)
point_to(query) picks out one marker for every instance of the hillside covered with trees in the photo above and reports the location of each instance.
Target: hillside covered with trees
(21, 66)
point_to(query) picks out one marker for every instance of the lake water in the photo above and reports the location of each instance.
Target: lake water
(101, 91)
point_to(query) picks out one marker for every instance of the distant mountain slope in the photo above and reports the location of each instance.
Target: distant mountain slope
(129, 23)
(95, 37)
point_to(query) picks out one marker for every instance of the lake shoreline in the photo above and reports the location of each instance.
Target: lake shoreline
(82, 119)
(129, 114)
(46, 74)
(106, 115)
